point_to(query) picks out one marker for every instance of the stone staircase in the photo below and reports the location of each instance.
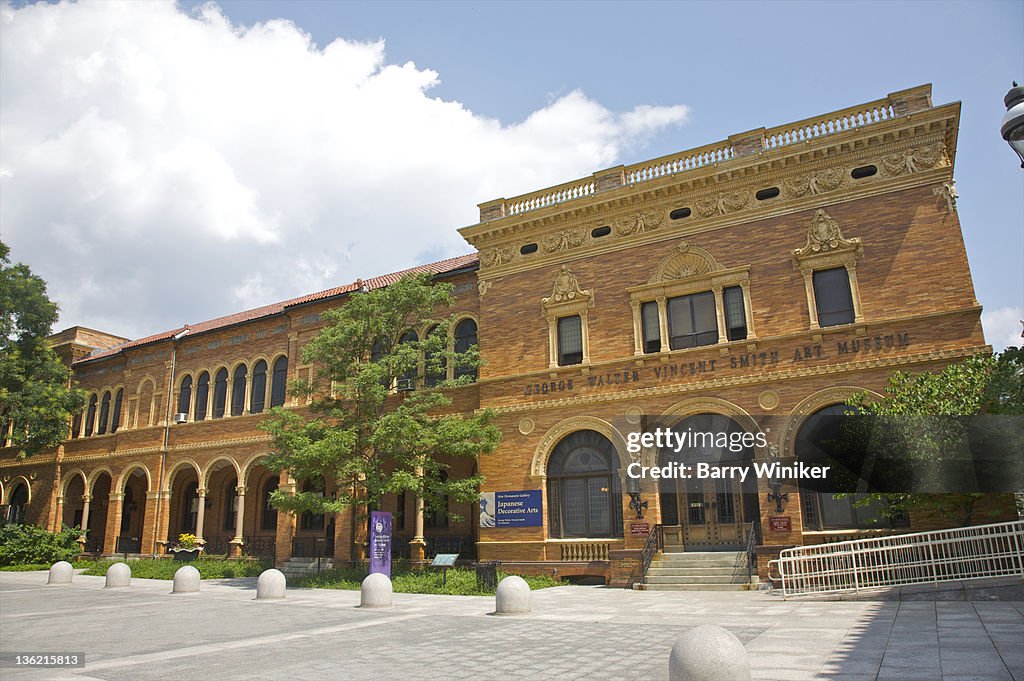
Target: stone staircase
(692, 571)
(300, 567)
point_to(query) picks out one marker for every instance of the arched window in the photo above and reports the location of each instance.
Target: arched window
(238, 390)
(313, 521)
(279, 383)
(816, 440)
(407, 381)
(90, 416)
(465, 338)
(104, 413)
(230, 504)
(190, 508)
(259, 387)
(220, 393)
(76, 425)
(376, 354)
(584, 495)
(115, 421)
(269, 520)
(202, 395)
(185, 395)
(18, 504)
(434, 368)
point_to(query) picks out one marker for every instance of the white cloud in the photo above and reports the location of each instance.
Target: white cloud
(1003, 327)
(160, 167)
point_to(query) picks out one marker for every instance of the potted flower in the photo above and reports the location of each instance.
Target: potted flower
(187, 548)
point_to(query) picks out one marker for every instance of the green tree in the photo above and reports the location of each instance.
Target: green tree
(921, 425)
(369, 438)
(35, 386)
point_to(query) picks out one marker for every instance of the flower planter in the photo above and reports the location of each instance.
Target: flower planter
(185, 555)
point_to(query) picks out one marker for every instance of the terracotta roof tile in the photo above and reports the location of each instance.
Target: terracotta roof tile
(440, 267)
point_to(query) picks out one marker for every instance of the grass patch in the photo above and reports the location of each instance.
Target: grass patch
(34, 567)
(409, 580)
(162, 568)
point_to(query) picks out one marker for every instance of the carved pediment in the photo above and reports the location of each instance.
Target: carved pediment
(685, 262)
(567, 290)
(824, 236)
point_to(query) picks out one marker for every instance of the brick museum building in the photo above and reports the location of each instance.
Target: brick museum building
(771, 275)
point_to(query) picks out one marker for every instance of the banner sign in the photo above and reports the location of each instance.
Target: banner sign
(511, 509)
(380, 542)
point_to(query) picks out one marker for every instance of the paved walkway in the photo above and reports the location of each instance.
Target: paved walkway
(574, 633)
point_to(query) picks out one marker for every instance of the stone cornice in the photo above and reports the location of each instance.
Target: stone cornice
(726, 192)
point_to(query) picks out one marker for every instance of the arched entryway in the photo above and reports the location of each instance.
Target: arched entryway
(17, 504)
(584, 487)
(133, 512)
(95, 528)
(73, 500)
(707, 504)
(186, 504)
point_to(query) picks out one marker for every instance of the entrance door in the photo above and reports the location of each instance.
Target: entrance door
(712, 514)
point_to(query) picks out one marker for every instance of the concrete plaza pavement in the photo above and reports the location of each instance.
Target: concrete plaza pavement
(573, 633)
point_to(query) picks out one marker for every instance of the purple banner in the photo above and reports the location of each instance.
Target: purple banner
(380, 542)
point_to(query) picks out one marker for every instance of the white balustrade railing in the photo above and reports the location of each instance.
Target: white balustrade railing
(678, 163)
(549, 197)
(920, 558)
(828, 124)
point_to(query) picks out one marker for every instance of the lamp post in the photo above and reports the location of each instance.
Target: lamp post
(1012, 128)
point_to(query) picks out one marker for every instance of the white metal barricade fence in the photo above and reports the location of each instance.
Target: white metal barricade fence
(920, 558)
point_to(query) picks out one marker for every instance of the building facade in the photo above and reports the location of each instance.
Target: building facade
(759, 280)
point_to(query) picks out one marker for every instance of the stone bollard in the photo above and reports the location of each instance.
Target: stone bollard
(375, 592)
(512, 597)
(270, 585)
(60, 573)
(118, 575)
(708, 653)
(186, 580)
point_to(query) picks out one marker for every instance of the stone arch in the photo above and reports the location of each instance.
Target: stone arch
(204, 477)
(810, 404)
(90, 480)
(555, 434)
(21, 479)
(684, 262)
(69, 476)
(246, 468)
(177, 466)
(712, 405)
(126, 473)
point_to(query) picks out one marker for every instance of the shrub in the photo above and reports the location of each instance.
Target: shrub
(28, 545)
(410, 580)
(163, 568)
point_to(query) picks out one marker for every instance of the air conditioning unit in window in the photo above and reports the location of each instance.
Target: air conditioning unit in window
(181, 418)
(406, 384)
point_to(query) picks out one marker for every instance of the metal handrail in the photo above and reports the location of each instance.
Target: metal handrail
(655, 543)
(752, 535)
(961, 553)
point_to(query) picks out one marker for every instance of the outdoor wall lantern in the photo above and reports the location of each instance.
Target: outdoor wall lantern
(776, 494)
(636, 502)
(1012, 128)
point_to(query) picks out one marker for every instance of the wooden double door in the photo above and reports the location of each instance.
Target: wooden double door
(704, 515)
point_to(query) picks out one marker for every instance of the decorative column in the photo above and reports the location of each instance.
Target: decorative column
(663, 323)
(285, 524)
(84, 537)
(638, 328)
(148, 531)
(238, 541)
(163, 500)
(200, 514)
(720, 314)
(418, 545)
(114, 510)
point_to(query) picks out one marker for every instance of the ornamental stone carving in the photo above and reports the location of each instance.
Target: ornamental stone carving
(643, 221)
(499, 255)
(948, 192)
(564, 240)
(916, 158)
(815, 183)
(824, 236)
(685, 262)
(567, 289)
(721, 204)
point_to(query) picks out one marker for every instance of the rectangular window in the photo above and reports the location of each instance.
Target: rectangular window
(735, 313)
(692, 321)
(651, 327)
(570, 340)
(832, 297)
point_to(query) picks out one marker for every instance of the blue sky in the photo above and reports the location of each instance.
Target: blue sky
(520, 73)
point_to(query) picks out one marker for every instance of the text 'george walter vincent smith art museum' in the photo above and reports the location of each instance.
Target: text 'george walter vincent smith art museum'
(750, 287)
